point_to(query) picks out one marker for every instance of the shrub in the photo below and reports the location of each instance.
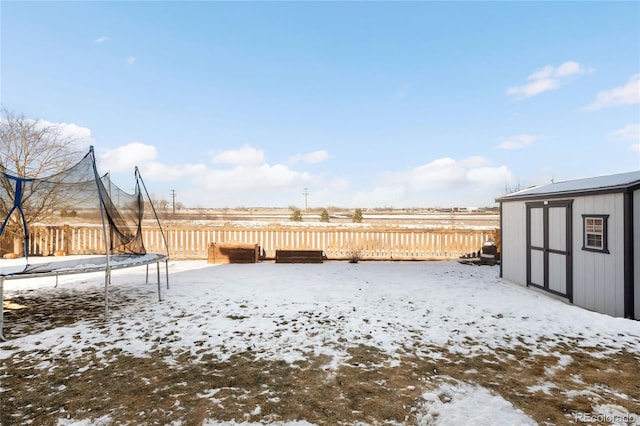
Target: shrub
(296, 215)
(357, 216)
(324, 216)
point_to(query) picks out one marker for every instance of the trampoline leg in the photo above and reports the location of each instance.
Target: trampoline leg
(147, 278)
(159, 290)
(107, 280)
(2, 338)
(166, 267)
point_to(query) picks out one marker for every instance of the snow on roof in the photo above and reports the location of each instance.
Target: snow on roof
(618, 181)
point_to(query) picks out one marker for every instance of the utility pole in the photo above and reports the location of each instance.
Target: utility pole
(173, 196)
(306, 194)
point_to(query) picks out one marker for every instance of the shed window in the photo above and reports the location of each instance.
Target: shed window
(595, 233)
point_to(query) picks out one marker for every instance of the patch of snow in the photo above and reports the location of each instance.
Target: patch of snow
(471, 405)
(563, 362)
(101, 421)
(234, 423)
(544, 387)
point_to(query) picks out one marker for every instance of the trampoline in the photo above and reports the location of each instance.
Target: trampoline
(79, 188)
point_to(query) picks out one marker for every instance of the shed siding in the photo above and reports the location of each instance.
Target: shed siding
(513, 241)
(599, 277)
(636, 253)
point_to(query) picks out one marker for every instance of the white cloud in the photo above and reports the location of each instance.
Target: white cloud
(131, 60)
(241, 170)
(160, 172)
(534, 88)
(79, 136)
(246, 156)
(101, 39)
(475, 161)
(310, 157)
(241, 177)
(254, 178)
(629, 94)
(471, 181)
(548, 78)
(339, 184)
(517, 142)
(445, 174)
(439, 174)
(489, 176)
(630, 132)
(68, 130)
(126, 157)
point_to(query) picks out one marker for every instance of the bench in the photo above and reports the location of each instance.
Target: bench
(233, 253)
(488, 255)
(299, 256)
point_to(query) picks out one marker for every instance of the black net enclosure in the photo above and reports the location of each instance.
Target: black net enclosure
(107, 233)
(79, 193)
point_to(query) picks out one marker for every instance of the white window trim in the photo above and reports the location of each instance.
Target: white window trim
(604, 234)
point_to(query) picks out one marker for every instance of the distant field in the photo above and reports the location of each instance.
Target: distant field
(431, 218)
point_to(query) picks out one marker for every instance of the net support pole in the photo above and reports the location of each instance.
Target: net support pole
(155, 214)
(164, 238)
(2, 338)
(107, 270)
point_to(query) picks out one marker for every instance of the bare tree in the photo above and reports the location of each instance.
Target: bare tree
(35, 148)
(31, 149)
(509, 189)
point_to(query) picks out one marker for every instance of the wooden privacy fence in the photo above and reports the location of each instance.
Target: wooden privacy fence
(366, 243)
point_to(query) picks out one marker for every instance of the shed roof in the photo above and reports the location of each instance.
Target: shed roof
(620, 182)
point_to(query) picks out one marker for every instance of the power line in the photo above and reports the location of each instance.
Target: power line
(173, 196)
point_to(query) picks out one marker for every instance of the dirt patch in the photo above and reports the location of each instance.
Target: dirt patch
(28, 313)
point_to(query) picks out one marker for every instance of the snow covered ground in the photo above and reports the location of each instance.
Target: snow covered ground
(431, 310)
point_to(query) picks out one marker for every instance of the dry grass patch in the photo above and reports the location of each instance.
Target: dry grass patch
(28, 313)
(134, 390)
(553, 388)
(369, 387)
(551, 381)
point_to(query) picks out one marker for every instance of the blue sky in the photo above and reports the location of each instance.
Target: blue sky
(366, 104)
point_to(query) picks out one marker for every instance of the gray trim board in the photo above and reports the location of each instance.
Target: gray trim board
(628, 256)
(501, 239)
(568, 194)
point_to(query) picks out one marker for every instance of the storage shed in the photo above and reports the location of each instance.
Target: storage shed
(578, 240)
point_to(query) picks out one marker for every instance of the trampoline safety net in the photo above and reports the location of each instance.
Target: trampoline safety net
(77, 192)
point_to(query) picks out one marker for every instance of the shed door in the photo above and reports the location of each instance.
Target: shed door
(549, 247)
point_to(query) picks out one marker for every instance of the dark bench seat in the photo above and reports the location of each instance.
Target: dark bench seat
(299, 256)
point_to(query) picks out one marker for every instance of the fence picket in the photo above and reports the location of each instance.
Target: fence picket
(379, 243)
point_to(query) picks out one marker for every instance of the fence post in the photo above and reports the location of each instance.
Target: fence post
(66, 238)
